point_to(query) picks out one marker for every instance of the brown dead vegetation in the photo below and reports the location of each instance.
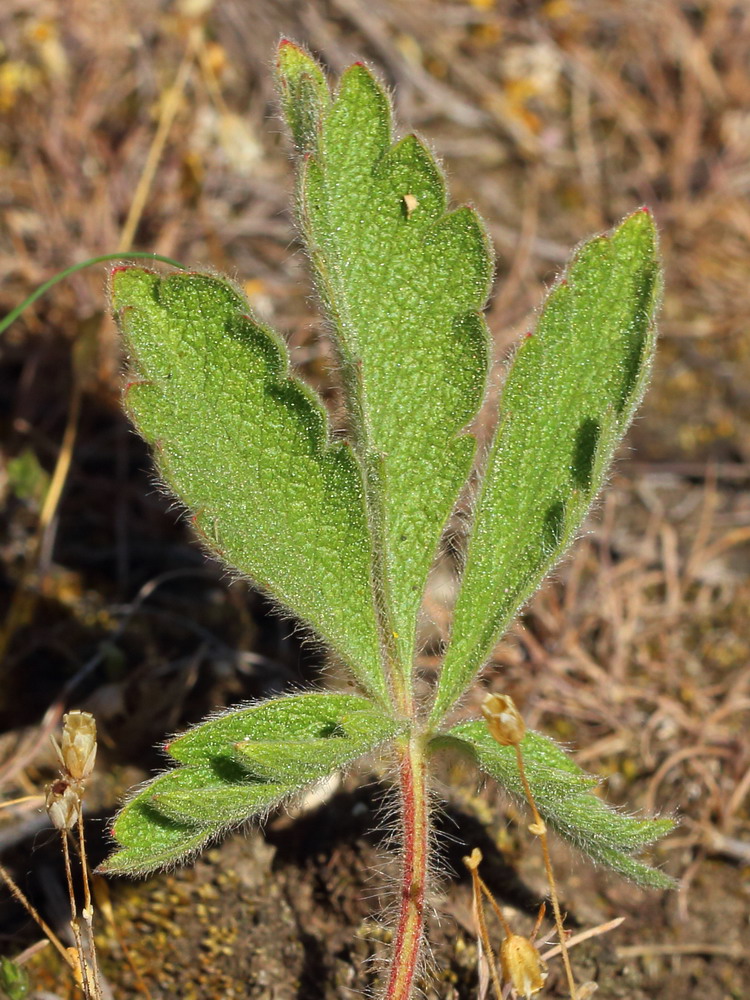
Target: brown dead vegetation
(153, 126)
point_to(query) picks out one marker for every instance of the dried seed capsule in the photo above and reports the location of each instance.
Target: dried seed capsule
(63, 803)
(523, 967)
(78, 748)
(474, 860)
(504, 721)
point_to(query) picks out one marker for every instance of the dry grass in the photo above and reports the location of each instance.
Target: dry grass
(555, 119)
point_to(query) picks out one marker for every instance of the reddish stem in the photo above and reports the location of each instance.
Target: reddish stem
(415, 824)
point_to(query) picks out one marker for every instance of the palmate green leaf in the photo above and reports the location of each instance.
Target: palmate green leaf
(238, 766)
(568, 399)
(402, 281)
(565, 800)
(246, 449)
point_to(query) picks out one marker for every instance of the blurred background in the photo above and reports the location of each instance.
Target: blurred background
(153, 126)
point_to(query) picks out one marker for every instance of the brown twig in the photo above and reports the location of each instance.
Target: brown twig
(19, 896)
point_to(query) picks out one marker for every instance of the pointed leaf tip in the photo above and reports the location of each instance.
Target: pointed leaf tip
(237, 767)
(565, 798)
(247, 447)
(304, 92)
(567, 401)
(404, 282)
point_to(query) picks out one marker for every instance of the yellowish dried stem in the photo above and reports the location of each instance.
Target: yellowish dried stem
(75, 926)
(541, 831)
(498, 912)
(19, 896)
(478, 887)
(88, 906)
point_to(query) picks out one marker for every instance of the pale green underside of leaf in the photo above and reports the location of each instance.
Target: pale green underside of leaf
(245, 447)
(403, 282)
(565, 800)
(238, 766)
(567, 401)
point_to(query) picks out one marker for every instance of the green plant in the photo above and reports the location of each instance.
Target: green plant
(14, 980)
(342, 532)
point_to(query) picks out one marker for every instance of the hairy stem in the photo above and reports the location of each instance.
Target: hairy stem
(416, 831)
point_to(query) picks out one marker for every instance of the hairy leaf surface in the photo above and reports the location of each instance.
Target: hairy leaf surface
(246, 448)
(568, 399)
(565, 800)
(403, 281)
(237, 767)
(304, 94)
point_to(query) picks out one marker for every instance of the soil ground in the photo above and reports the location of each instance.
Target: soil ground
(555, 119)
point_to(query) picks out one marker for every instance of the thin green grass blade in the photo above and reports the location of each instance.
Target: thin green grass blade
(74, 269)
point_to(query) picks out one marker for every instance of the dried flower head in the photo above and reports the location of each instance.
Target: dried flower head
(523, 967)
(63, 803)
(474, 860)
(504, 721)
(78, 747)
